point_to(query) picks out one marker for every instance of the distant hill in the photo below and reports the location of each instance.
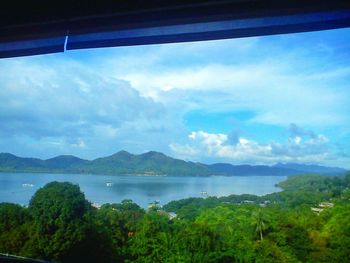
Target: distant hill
(277, 169)
(65, 161)
(229, 169)
(311, 168)
(62, 163)
(10, 162)
(151, 163)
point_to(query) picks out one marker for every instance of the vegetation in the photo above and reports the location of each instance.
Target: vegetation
(61, 226)
(150, 163)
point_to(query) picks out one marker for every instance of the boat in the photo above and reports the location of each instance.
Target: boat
(27, 185)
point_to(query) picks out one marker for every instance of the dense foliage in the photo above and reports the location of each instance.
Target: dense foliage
(61, 226)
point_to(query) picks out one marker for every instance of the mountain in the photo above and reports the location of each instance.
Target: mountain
(150, 163)
(10, 162)
(229, 169)
(311, 168)
(64, 162)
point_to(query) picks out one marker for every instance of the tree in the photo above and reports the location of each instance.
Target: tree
(119, 222)
(223, 234)
(152, 239)
(14, 228)
(11, 216)
(259, 220)
(337, 233)
(64, 226)
(268, 252)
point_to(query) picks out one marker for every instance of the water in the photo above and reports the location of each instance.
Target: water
(141, 189)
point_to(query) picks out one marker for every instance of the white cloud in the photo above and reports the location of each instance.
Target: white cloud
(67, 103)
(186, 151)
(215, 146)
(67, 94)
(277, 95)
(282, 82)
(80, 144)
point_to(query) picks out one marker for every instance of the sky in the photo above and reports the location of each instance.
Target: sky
(258, 100)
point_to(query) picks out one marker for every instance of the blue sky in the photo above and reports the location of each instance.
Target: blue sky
(260, 100)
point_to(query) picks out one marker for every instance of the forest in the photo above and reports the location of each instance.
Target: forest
(308, 221)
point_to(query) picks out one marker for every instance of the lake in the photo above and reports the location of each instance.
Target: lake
(100, 189)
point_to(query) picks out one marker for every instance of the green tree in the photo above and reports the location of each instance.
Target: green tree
(268, 252)
(337, 233)
(260, 221)
(64, 226)
(120, 222)
(152, 239)
(227, 232)
(15, 227)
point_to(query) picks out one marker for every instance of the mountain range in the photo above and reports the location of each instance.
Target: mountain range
(150, 163)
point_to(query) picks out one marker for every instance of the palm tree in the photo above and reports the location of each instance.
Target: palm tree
(259, 221)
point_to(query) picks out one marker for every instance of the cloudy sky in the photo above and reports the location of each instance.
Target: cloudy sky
(258, 100)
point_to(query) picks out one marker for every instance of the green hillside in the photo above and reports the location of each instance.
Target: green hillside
(150, 163)
(123, 163)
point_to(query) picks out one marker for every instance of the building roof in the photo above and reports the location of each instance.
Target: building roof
(40, 26)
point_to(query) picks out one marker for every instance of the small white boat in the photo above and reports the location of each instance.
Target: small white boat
(27, 185)
(109, 184)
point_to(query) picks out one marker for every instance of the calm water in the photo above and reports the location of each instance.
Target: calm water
(141, 189)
